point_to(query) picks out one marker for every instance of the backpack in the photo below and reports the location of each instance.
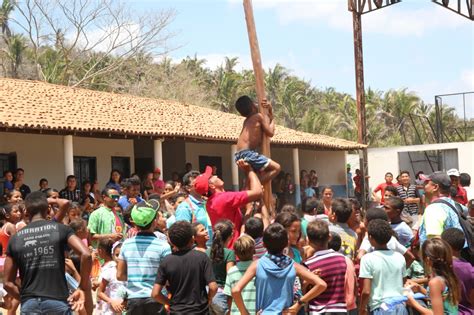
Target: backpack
(467, 228)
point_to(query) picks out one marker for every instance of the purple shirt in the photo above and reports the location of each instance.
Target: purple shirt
(465, 273)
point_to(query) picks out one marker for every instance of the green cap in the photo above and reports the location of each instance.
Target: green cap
(144, 212)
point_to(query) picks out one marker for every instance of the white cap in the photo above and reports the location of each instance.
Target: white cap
(453, 172)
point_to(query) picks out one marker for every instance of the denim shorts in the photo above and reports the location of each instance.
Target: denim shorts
(399, 309)
(219, 304)
(37, 306)
(258, 161)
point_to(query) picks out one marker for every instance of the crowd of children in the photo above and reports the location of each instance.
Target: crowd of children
(315, 263)
(329, 257)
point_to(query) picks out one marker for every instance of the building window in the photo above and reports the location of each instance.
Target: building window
(85, 168)
(211, 161)
(7, 162)
(122, 164)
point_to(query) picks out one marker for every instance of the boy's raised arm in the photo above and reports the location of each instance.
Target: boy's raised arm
(268, 124)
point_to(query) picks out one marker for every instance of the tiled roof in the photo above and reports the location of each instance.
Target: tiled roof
(31, 106)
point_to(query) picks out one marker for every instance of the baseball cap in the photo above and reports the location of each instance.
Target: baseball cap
(453, 172)
(439, 178)
(144, 212)
(157, 170)
(201, 183)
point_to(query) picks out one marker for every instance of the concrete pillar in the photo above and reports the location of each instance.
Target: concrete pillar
(68, 156)
(296, 171)
(158, 154)
(235, 168)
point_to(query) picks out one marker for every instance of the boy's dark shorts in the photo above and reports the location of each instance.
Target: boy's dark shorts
(258, 161)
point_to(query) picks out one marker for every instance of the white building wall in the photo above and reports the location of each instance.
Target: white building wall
(195, 149)
(382, 160)
(43, 155)
(284, 157)
(39, 155)
(329, 165)
(103, 150)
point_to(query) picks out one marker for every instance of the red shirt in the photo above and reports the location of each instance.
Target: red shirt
(381, 188)
(461, 196)
(226, 205)
(357, 183)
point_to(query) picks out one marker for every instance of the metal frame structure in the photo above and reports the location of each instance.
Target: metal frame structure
(358, 8)
(465, 11)
(440, 132)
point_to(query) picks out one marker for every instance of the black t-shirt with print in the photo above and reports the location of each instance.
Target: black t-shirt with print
(187, 272)
(38, 251)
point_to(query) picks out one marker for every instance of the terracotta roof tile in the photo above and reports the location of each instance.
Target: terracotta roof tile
(34, 105)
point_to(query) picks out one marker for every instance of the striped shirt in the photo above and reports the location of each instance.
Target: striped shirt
(260, 249)
(143, 255)
(333, 271)
(248, 293)
(72, 195)
(410, 192)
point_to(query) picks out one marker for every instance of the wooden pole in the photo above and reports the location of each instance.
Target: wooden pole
(360, 101)
(260, 86)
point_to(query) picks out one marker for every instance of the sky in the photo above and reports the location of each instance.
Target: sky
(414, 44)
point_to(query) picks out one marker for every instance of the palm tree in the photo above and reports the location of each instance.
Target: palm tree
(15, 52)
(274, 79)
(5, 11)
(226, 84)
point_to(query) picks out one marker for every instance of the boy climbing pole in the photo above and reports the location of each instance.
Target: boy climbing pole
(255, 126)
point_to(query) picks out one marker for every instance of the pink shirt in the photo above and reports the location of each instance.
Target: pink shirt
(226, 205)
(350, 283)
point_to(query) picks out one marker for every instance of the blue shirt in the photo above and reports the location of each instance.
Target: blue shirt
(143, 255)
(124, 203)
(194, 211)
(437, 218)
(274, 286)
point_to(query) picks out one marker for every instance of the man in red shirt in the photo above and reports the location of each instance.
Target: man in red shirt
(226, 204)
(461, 195)
(381, 187)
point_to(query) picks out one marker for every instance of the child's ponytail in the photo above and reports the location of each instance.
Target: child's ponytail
(222, 232)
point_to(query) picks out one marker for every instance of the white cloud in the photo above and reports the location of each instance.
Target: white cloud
(109, 39)
(398, 20)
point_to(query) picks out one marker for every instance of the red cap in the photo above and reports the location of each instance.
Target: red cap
(157, 170)
(201, 183)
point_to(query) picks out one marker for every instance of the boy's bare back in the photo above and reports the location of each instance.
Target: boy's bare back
(251, 134)
(254, 127)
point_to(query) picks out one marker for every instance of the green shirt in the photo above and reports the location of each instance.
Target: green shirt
(103, 221)
(220, 268)
(248, 293)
